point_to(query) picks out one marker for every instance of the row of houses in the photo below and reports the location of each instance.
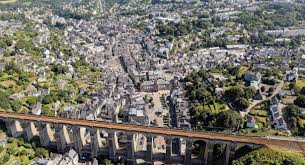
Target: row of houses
(181, 108)
(155, 86)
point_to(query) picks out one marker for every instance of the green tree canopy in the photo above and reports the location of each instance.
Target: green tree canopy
(234, 93)
(242, 104)
(250, 92)
(300, 101)
(268, 156)
(229, 119)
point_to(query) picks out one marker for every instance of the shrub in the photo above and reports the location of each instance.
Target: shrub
(59, 69)
(32, 100)
(16, 105)
(47, 99)
(41, 152)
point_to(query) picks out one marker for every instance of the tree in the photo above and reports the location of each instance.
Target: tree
(107, 162)
(268, 73)
(59, 94)
(12, 68)
(35, 141)
(250, 92)
(7, 53)
(23, 76)
(16, 105)
(234, 93)
(300, 101)
(292, 110)
(32, 100)
(229, 119)
(271, 90)
(292, 85)
(41, 152)
(24, 160)
(2, 43)
(243, 40)
(263, 88)
(4, 100)
(234, 71)
(203, 115)
(80, 99)
(46, 110)
(242, 104)
(302, 91)
(59, 69)
(23, 44)
(150, 100)
(293, 114)
(269, 81)
(47, 99)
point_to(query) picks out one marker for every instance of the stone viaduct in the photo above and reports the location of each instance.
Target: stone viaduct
(121, 141)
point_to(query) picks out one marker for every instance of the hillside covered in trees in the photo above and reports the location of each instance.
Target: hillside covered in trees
(269, 156)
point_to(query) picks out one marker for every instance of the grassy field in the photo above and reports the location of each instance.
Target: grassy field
(243, 69)
(230, 24)
(259, 112)
(216, 107)
(300, 83)
(263, 132)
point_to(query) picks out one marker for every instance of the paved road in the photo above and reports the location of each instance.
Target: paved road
(283, 143)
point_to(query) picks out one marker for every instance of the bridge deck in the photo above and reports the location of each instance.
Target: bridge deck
(283, 143)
